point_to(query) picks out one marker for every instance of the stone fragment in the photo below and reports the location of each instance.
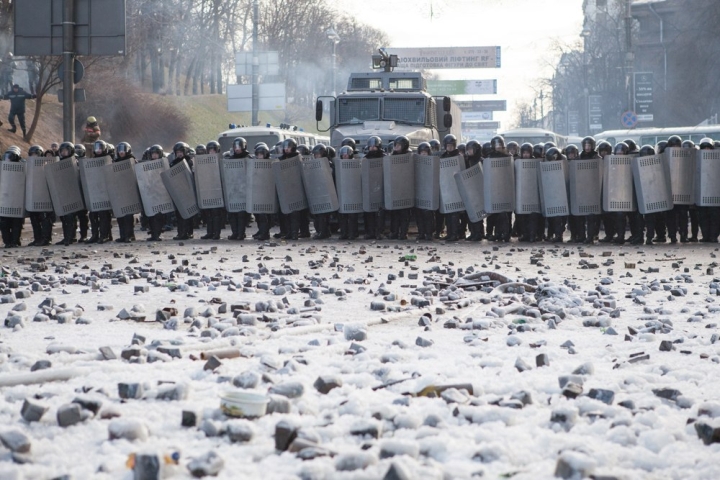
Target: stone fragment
(572, 390)
(707, 433)
(605, 396)
(107, 353)
(366, 427)
(32, 412)
(130, 429)
(355, 333)
(542, 360)
(325, 383)
(572, 465)
(278, 404)
(15, 441)
(349, 462)
(146, 467)
(70, 414)
(285, 433)
(240, 431)
(41, 365)
(288, 389)
(666, 346)
(423, 342)
(246, 380)
(189, 418)
(210, 464)
(392, 448)
(130, 390)
(667, 393)
(212, 364)
(521, 365)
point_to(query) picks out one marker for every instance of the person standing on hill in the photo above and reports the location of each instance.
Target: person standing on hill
(17, 97)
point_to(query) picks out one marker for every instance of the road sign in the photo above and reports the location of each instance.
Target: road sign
(446, 57)
(481, 125)
(482, 105)
(573, 123)
(595, 113)
(271, 97)
(77, 74)
(268, 63)
(462, 87)
(477, 116)
(629, 119)
(643, 95)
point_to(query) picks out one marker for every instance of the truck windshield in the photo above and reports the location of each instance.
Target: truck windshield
(358, 110)
(411, 110)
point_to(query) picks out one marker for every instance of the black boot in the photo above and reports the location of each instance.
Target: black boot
(263, 223)
(242, 222)
(352, 226)
(344, 226)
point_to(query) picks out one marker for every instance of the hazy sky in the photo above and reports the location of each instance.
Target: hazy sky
(525, 29)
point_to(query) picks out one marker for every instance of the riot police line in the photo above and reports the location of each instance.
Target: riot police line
(459, 188)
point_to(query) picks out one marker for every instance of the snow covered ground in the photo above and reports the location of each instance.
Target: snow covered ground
(597, 361)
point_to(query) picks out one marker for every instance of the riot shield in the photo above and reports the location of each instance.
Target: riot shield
(618, 189)
(288, 179)
(471, 186)
(233, 175)
(208, 183)
(450, 199)
(92, 178)
(319, 186)
(398, 181)
(348, 180)
(155, 197)
(37, 195)
(499, 184)
(427, 182)
(180, 185)
(123, 188)
(553, 189)
(585, 187)
(12, 189)
(680, 166)
(652, 186)
(372, 184)
(63, 182)
(527, 194)
(260, 186)
(707, 178)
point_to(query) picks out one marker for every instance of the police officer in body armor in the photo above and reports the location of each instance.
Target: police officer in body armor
(11, 227)
(608, 218)
(452, 220)
(155, 222)
(322, 220)
(400, 218)
(425, 219)
(528, 224)
(100, 222)
(41, 222)
(677, 218)
(649, 219)
(556, 225)
(348, 221)
(237, 221)
(66, 150)
(293, 221)
(587, 226)
(500, 221)
(82, 216)
(709, 217)
(263, 220)
(184, 226)
(473, 150)
(374, 221)
(434, 146)
(126, 224)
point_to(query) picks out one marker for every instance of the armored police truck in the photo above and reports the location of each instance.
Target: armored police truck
(387, 104)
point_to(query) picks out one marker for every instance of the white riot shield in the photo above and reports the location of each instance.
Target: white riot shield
(585, 187)
(680, 165)
(471, 186)
(288, 180)
(427, 182)
(652, 186)
(260, 186)
(178, 181)
(63, 180)
(372, 184)
(208, 184)
(527, 193)
(707, 178)
(618, 188)
(12, 189)
(92, 178)
(348, 180)
(553, 189)
(37, 195)
(499, 184)
(154, 195)
(123, 188)
(319, 186)
(398, 181)
(233, 173)
(450, 199)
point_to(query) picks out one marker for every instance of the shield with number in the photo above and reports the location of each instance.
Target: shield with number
(652, 185)
(319, 186)
(398, 181)
(123, 188)
(37, 195)
(680, 165)
(527, 193)
(427, 182)
(288, 180)
(260, 186)
(178, 180)
(92, 178)
(450, 199)
(707, 178)
(585, 187)
(499, 178)
(233, 173)
(470, 184)
(208, 183)
(12, 189)
(348, 181)
(372, 184)
(154, 195)
(63, 180)
(618, 188)
(553, 189)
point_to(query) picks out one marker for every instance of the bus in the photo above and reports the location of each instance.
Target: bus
(270, 135)
(651, 136)
(533, 136)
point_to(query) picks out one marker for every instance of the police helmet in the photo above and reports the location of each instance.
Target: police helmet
(390, 146)
(526, 148)
(331, 152)
(513, 148)
(374, 141)
(346, 151)
(461, 148)
(548, 145)
(111, 149)
(707, 144)
(688, 144)
(553, 153)
(661, 146)
(320, 151)
(100, 148)
(632, 146)
(486, 149)
(572, 152)
(80, 151)
(36, 151)
(212, 145)
(124, 147)
(12, 154)
(674, 141)
(157, 150)
(497, 143)
(66, 150)
(604, 148)
(621, 148)
(449, 139)
(303, 149)
(588, 144)
(434, 145)
(473, 149)
(262, 149)
(403, 142)
(239, 144)
(424, 147)
(199, 149)
(716, 143)
(289, 145)
(183, 148)
(538, 150)
(348, 142)
(646, 151)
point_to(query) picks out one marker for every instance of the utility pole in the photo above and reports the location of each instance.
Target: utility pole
(69, 71)
(629, 55)
(255, 66)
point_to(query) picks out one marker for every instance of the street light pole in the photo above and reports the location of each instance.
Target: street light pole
(335, 38)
